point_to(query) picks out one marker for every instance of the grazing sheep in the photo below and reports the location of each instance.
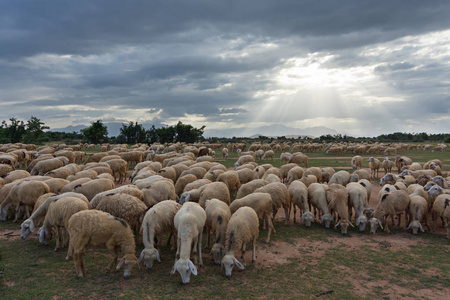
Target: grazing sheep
(93, 187)
(356, 162)
(58, 215)
(269, 154)
(118, 167)
(231, 179)
(362, 174)
(258, 172)
(56, 184)
(196, 184)
(242, 229)
(317, 198)
(182, 182)
(132, 157)
(244, 160)
(217, 216)
(418, 210)
(83, 174)
(157, 221)
(307, 180)
(15, 175)
(225, 153)
(24, 193)
(357, 198)
(299, 158)
(280, 198)
(245, 175)
(337, 198)
(374, 165)
(294, 174)
(169, 173)
(217, 190)
(46, 166)
(124, 206)
(199, 172)
(158, 191)
(189, 222)
(401, 161)
(5, 169)
(262, 204)
(391, 204)
(298, 192)
(250, 187)
(97, 228)
(284, 170)
(341, 177)
(69, 187)
(418, 173)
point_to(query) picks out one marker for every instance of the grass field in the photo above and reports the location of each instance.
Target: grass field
(298, 263)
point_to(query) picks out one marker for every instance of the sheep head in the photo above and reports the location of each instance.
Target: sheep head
(361, 222)
(326, 220)
(128, 261)
(217, 252)
(184, 198)
(344, 225)
(374, 222)
(307, 217)
(185, 267)
(415, 226)
(149, 256)
(229, 261)
(26, 228)
(44, 236)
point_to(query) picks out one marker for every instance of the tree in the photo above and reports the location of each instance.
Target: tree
(15, 131)
(35, 130)
(133, 132)
(96, 133)
(187, 133)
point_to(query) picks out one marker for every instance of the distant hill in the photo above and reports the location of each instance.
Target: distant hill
(269, 130)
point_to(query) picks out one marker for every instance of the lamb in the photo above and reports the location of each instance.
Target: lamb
(217, 216)
(58, 215)
(387, 165)
(356, 162)
(298, 192)
(317, 198)
(418, 210)
(391, 204)
(337, 198)
(374, 165)
(157, 221)
(341, 177)
(357, 196)
(189, 222)
(262, 204)
(93, 187)
(242, 229)
(280, 198)
(124, 206)
(97, 228)
(231, 179)
(118, 167)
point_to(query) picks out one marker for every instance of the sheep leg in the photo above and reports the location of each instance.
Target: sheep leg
(200, 249)
(174, 237)
(208, 234)
(79, 266)
(254, 249)
(115, 250)
(58, 238)
(295, 212)
(286, 214)
(244, 246)
(177, 255)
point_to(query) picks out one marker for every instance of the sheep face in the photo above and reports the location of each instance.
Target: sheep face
(374, 222)
(307, 217)
(435, 190)
(3, 215)
(326, 220)
(184, 198)
(217, 252)
(44, 236)
(361, 222)
(128, 261)
(149, 256)
(344, 225)
(185, 268)
(415, 226)
(26, 228)
(229, 261)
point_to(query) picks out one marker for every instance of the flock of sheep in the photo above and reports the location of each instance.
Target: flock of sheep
(179, 189)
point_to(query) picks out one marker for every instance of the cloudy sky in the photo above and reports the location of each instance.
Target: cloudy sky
(359, 67)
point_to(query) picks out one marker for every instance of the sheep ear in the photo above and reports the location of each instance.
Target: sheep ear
(174, 267)
(157, 256)
(238, 264)
(421, 228)
(322, 219)
(31, 226)
(379, 222)
(337, 224)
(192, 267)
(141, 257)
(357, 222)
(302, 218)
(119, 265)
(410, 224)
(350, 223)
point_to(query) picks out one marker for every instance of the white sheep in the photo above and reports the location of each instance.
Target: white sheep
(337, 198)
(341, 177)
(391, 204)
(317, 198)
(189, 222)
(217, 216)
(243, 228)
(357, 196)
(418, 210)
(387, 165)
(262, 204)
(98, 228)
(374, 165)
(298, 192)
(356, 162)
(157, 221)
(280, 198)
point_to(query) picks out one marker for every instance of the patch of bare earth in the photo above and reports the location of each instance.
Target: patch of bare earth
(9, 234)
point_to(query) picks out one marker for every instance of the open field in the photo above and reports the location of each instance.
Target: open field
(299, 262)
